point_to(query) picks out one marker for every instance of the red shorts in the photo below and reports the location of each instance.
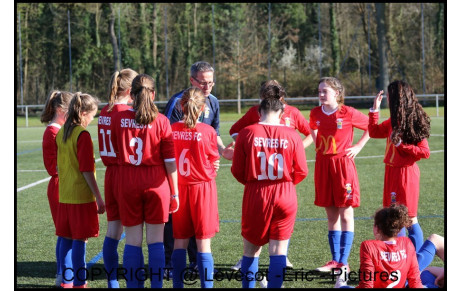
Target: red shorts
(53, 197)
(336, 181)
(401, 185)
(78, 221)
(111, 201)
(269, 211)
(198, 213)
(143, 195)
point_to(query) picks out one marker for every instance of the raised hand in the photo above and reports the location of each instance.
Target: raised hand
(378, 100)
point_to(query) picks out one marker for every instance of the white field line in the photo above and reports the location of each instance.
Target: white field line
(222, 165)
(39, 182)
(366, 157)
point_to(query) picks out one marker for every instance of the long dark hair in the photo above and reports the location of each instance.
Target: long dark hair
(408, 119)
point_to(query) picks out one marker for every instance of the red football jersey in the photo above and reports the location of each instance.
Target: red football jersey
(146, 145)
(50, 149)
(389, 265)
(396, 156)
(335, 130)
(196, 151)
(292, 117)
(269, 152)
(104, 132)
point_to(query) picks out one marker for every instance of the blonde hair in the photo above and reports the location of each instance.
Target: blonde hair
(192, 101)
(120, 81)
(335, 84)
(81, 102)
(146, 111)
(56, 99)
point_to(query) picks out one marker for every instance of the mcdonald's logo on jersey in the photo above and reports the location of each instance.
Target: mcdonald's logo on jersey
(330, 141)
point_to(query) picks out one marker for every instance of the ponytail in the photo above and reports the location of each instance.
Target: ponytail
(192, 101)
(273, 89)
(81, 102)
(120, 81)
(56, 99)
(142, 87)
(271, 104)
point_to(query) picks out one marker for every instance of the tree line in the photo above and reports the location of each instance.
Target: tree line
(365, 45)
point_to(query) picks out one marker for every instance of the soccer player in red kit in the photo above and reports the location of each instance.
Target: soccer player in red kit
(196, 158)
(269, 159)
(388, 261)
(406, 132)
(336, 178)
(292, 117)
(119, 96)
(54, 114)
(143, 142)
(80, 200)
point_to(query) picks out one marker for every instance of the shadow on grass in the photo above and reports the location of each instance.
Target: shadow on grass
(38, 269)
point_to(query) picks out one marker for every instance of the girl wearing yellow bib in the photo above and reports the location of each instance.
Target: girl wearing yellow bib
(79, 196)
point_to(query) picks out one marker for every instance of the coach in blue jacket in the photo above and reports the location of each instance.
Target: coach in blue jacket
(202, 76)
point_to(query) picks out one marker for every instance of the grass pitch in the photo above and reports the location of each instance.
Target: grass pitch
(35, 238)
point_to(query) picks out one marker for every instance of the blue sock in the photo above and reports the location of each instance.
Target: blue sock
(346, 241)
(334, 243)
(402, 232)
(110, 255)
(131, 263)
(276, 271)
(426, 254)
(249, 268)
(65, 253)
(156, 264)
(205, 263)
(58, 258)
(416, 235)
(179, 263)
(428, 279)
(78, 261)
(142, 277)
